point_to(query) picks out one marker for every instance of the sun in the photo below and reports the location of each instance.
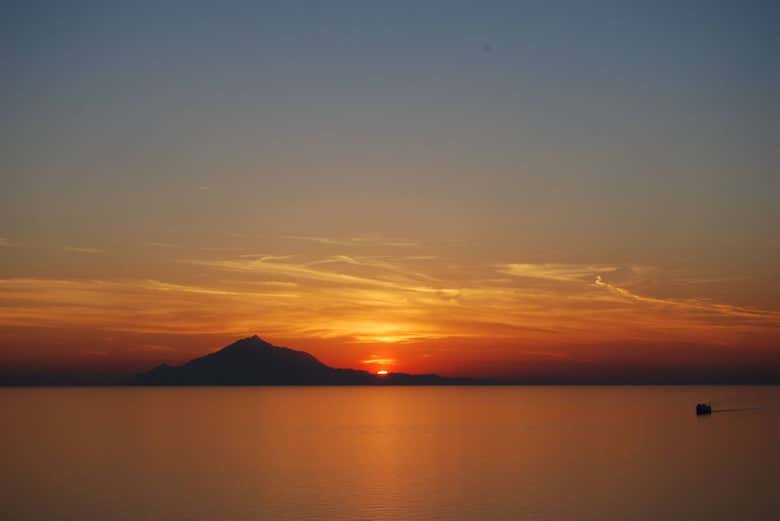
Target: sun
(382, 372)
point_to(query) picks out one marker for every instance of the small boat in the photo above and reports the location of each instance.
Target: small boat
(703, 408)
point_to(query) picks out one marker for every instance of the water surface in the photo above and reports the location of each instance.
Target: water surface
(481, 453)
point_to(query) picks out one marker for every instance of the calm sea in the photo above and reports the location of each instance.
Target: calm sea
(481, 453)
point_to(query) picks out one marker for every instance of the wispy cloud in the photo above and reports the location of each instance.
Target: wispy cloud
(692, 304)
(309, 271)
(265, 257)
(276, 284)
(557, 272)
(390, 300)
(383, 241)
(379, 361)
(383, 264)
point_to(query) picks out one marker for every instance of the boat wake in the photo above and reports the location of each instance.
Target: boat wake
(738, 409)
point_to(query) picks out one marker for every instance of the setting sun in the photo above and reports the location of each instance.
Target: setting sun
(389, 260)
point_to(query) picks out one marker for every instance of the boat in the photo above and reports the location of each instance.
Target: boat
(703, 408)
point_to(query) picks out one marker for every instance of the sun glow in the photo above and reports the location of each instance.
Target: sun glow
(383, 333)
(387, 339)
(382, 372)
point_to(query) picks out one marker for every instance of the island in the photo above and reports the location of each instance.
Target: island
(253, 361)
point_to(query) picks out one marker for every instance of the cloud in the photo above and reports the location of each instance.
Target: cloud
(264, 257)
(379, 263)
(277, 283)
(143, 306)
(82, 249)
(309, 271)
(387, 299)
(395, 243)
(557, 272)
(692, 304)
(600, 282)
(155, 285)
(319, 240)
(4, 242)
(380, 361)
(336, 258)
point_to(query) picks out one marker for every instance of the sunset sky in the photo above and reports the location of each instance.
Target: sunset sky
(532, 190)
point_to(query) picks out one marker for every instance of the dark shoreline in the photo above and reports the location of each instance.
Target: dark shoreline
(475, 384)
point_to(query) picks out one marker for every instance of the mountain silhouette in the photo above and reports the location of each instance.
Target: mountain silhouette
(253, 361)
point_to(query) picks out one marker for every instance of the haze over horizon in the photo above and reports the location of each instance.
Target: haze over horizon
(524, 190)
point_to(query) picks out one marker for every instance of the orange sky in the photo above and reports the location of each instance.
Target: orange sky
(384, 303)
(522, 190)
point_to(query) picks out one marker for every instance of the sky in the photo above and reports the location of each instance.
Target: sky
(542, 191)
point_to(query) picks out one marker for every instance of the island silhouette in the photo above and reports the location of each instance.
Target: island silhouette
(253, 361)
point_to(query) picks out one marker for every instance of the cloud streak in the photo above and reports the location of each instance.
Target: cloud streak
(556, 272)
(692, 304)
(387, 300)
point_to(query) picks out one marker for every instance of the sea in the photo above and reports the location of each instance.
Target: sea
(389, 453)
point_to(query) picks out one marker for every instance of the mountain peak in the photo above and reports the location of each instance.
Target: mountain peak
(253, 361)
(250, 342)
